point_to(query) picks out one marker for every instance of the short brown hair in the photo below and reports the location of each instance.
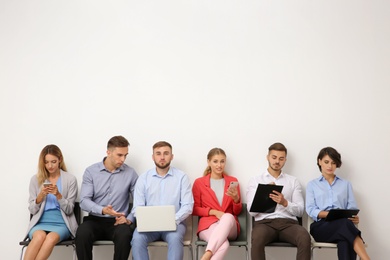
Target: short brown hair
(332, 153)
(277, 147)
(162, 144)
(117, 141)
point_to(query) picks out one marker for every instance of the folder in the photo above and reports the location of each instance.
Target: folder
(341, 213)
(262, 202)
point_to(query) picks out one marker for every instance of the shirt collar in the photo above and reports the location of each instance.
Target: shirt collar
(321, 179)
(168, 173)
(103, 168)
(268, 175)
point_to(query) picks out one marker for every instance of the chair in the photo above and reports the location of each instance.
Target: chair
(187, 238)
(186, 243)
(68, 242)
(241, 240)
(319, 245)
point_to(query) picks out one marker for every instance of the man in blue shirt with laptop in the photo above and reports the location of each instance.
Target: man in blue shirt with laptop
(163, 185)
(106, 191)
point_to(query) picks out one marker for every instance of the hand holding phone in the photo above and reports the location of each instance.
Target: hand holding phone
(233, 184)
(47, 184)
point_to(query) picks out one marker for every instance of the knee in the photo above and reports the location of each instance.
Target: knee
(123, 232)
(174, 238)
(53, 238)
(39, 236)
(304, 239)
(229, 218)
(84, 233)
(139, 240)
(257, 238)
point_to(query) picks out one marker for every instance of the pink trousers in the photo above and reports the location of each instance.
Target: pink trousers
(218, 235)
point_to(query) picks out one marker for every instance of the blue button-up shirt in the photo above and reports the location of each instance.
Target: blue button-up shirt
(172, 189)
(322, 196)
(100, 188)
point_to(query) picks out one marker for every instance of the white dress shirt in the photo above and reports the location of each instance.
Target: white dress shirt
(292, 191)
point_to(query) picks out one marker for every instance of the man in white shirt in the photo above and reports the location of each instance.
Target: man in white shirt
(282, 224)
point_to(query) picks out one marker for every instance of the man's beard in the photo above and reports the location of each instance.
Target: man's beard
(162, 166)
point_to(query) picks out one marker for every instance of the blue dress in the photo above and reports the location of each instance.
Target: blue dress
(51, 219)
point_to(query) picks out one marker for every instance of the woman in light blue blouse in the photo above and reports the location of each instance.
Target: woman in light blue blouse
(53, 192)
(332, 192)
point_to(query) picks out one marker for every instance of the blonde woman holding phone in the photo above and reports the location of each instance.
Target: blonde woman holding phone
(217, 202)
(53, 192)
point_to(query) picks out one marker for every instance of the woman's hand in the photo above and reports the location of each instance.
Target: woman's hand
(53, 189)
(217, 213)
(233, 193)
(42, 194)
(355, 219)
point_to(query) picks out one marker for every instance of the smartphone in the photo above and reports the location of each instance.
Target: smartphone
(47, 184)
(233, 184)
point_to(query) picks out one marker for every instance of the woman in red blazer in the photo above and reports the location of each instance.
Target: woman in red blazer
(217, 205)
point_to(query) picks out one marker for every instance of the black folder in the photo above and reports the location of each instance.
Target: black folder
(262, 202)
(341, 213)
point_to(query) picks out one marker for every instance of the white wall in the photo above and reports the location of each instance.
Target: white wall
(200, 74)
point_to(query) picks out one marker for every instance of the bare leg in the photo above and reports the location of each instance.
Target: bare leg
(207, 255)
(360, 249)
(35, 245)
(51, 240)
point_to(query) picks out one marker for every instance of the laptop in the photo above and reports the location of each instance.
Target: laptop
(155, 218)
(341, 213)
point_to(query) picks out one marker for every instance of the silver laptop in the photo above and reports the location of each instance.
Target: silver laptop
(155, 218)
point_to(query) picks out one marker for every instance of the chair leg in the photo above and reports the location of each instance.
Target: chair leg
(21, 253)
(197, 253)
(191, 253)
(74, 252)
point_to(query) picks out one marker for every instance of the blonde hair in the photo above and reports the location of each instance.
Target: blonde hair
(212, 152)
(52, 149)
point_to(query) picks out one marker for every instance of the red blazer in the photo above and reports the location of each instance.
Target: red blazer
(205, 199)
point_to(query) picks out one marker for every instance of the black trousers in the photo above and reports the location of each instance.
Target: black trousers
(340, 231)
(98, 228)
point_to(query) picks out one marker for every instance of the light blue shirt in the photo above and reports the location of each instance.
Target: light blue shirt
(172, 189)
(51, 200)
(322, 196)
(100, 188)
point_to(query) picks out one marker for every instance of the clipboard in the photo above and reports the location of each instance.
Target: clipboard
(262, 203)
(341, 213)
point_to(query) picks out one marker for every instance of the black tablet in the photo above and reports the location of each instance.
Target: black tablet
(262, 203)
(341, 213)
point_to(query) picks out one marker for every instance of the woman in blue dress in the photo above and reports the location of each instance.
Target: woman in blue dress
(332, 192)
(53, 192)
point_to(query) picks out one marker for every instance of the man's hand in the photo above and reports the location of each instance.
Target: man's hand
(278, 198)
(122, 220)
(110, 211)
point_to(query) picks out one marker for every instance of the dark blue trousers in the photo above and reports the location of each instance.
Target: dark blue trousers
(341, 231)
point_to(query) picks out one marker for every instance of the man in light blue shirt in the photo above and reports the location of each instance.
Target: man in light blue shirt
(163, 185)
(106, 192)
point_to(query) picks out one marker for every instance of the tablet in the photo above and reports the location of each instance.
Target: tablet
(262, 203)
(341, 213)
